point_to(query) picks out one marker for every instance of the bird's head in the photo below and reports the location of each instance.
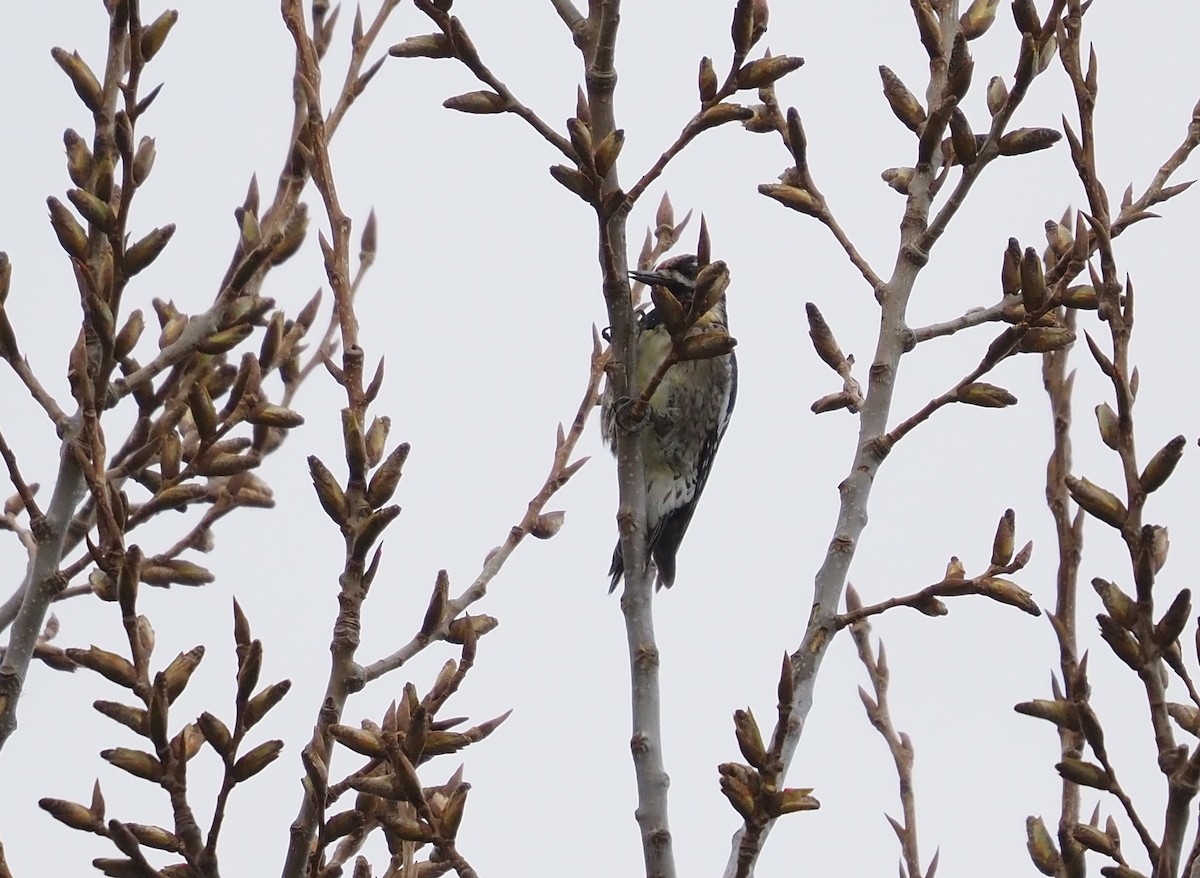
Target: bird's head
(677, 275)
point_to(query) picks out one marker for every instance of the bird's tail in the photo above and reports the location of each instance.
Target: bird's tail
(617, 569)
(663, 559)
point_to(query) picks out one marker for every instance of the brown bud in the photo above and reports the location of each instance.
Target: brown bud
(256, 760)
(1044, 339)
(790, 800)
(116, 668)
(79, 158)
(424, 46)
(1082, 296)
(85, 82)
(1094, 840)
(749, 739)
(1084, 773)
(371, 529)
(902, 101)
(997, 95)
(203, 412)
(986, 396)
(736, 789)
(719, 114)
(269, 415)
(175, 571)
(1062, 713)
(928, 28)
(361, 741)
(225, 340)
(547, 525)
(575, 180)
(979, 16)
(1041, 847)
(179, 672)
(155, 33)
(1006, 592)
(470, 626)
(387, 477)
(898, 178)
(1097, 502)
(329, 492)
(962, 138)
(128, 337)
(136, 762)
(1186, 715)
(376, 438)
(1033, 282)
(1026, 17)
(1122, 643)
(1171, 625)
(95, 211)
(668, 307)
(741, 31)
(73, 815)
(294, 232)
(762, 121)
(607, 152)
(797, 199)
(705, 346)
(1119, 606)
(1026, 140)
(478, 102)
(765, 71)
(707, 80)
(1110, 430)
(145, 251)
(711, 283)
(70, 233)
(1160, 467)
(960, 68)
(823, 341)
(136, 719)
(1002, 543)
(215, 732)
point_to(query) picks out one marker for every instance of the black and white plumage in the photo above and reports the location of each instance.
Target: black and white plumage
(686, 419)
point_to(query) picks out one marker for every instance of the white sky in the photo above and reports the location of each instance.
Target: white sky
(482, 299)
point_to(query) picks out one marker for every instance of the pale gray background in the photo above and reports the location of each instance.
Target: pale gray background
(482, 299)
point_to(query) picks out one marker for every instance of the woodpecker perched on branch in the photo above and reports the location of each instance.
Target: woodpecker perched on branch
(682, 343)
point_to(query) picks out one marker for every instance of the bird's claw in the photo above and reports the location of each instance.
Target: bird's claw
(631, 414)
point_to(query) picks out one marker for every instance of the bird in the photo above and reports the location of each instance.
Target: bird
(685, 420)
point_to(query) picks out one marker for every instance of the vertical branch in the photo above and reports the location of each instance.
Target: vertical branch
(345, 675)
(1069, 532)
(599, 48)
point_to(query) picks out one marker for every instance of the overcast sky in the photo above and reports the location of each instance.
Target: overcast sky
(483, 298)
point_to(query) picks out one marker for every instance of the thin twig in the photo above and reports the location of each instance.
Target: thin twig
(899, 745)
(972, 318)
(22, 487)
(561, 469)
(468, 56)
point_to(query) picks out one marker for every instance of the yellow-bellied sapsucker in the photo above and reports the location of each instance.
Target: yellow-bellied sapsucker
(685, 419)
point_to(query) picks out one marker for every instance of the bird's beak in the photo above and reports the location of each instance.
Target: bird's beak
(650, 278)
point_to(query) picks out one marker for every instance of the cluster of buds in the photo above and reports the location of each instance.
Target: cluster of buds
(167, 764)
(390, 794)
(753, 789)
(593, 161)
(850, 397)
(963, 146)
